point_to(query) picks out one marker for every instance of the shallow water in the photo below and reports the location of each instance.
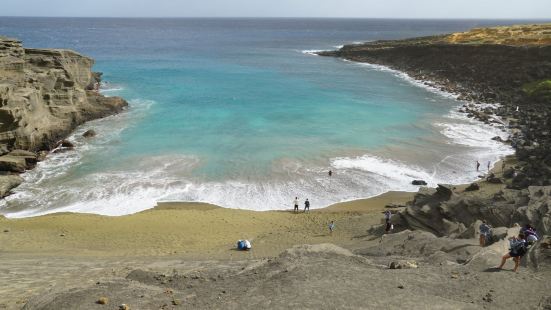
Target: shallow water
(236, 112)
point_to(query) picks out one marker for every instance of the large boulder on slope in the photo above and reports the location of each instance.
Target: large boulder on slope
(443, 213)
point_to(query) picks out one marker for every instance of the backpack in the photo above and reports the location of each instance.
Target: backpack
(519, 247)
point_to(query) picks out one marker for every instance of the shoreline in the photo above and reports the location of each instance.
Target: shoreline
(424, 84)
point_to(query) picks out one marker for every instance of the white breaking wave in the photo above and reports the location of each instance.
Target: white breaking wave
(106, 87)
(393, 173)
(406, 77)
(312, 52)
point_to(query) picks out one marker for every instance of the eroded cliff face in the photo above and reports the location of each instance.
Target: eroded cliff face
(45, 94)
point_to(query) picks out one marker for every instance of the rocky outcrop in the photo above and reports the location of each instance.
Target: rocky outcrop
(507, 65)
(445, 213)
(44, 95)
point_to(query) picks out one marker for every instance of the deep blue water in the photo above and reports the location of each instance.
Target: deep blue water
(234, 112)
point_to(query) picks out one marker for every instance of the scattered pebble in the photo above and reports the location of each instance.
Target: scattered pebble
(176, 302)
(401, 287)
(124, 307)
(6, 230)
(103, 301)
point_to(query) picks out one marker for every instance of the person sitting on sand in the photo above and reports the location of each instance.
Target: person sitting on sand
(306, 205)
(485, 233)
(388, 223)
(296, 204)
(516, 251)
(331, 227)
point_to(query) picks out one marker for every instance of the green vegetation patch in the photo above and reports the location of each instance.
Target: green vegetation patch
(539, 90)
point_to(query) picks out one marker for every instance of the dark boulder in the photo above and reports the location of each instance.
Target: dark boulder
(89, 133)
(472, 187)
(509, 173)
(418, 182)
(65, 143)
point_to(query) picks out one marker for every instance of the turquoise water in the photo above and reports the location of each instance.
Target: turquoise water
(235, 112)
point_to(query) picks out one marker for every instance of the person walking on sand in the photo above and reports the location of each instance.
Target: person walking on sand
(477, 166)
(295, 202)
(306, 205)
(517, 250)
(485, 233)
(331, 227)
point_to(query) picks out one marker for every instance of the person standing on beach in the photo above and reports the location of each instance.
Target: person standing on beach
(306, 205)
(296, 205)
(388, 215)
(331, 227)
(477, 166)
(489, 164)
(503, 166)
(330, 173)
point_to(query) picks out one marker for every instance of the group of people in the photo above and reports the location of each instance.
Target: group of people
(488, 165)
(518, 245)
(306, 205)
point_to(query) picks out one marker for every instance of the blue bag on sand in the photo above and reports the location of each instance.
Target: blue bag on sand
(241, 245)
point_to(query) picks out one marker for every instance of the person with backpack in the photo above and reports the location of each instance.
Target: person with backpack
(485, 233)
(518, 248)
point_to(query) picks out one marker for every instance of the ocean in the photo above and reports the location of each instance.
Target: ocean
(240, 113)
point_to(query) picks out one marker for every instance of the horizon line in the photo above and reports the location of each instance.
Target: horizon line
(287, 17)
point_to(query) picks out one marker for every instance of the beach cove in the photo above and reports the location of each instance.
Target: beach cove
(182, 255)
(282, 113)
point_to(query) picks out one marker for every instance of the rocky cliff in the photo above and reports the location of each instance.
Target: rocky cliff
(44, 95)
(507, 65)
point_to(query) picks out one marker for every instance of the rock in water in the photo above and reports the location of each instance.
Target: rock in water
(89, 133)
(7, 183)
(65, 143)
(418, 182)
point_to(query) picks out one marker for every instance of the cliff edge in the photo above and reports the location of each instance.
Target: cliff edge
(44, 95)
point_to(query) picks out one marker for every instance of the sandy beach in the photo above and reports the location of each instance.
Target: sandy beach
(67, 249)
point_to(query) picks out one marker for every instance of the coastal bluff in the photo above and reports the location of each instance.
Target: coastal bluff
(509, 65)
(44, 95)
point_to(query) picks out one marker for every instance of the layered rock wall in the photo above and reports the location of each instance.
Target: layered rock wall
(45, 94)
